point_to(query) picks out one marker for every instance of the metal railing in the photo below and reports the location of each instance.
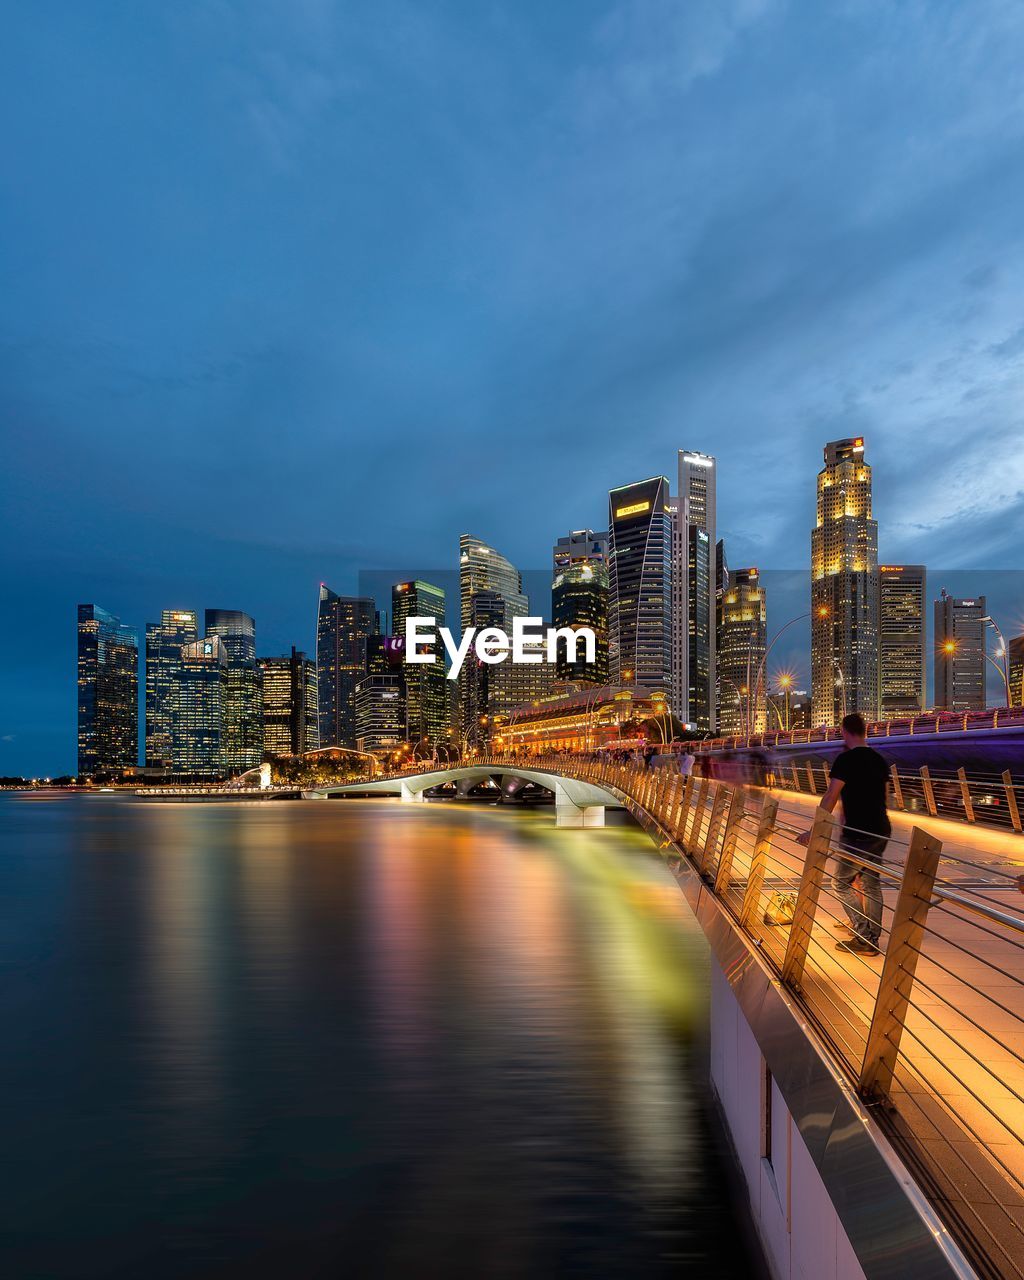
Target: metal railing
(928, 1028)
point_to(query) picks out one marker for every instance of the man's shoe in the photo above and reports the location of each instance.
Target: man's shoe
(860, 946)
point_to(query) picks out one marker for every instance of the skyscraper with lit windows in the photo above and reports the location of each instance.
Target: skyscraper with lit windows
(343, 626)
(289, 704)
(201, 709)
(427, 701)
(164, 642)
(580, 590)
(902, 595)
(640, 578)
(743, 641)
(844, 588)
(960, 653)
(242, 746)
(484, 572)
(108, 693)
(694, 601)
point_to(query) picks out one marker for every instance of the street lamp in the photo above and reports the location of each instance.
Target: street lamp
(1000, 653)
(822, 612)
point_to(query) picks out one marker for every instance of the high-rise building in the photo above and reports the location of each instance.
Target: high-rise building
(960, 653)
(200, 710)
(485, 573)
(1015, 672)
(108, 693)
(694, 567)
(844, 588)
(901, 640)
(164, 642)
(289, 704)
(640, 575)
(380, 695)
(343, 625)
(427, 704)
(579, 598)
(743, 638)
(242, 746)
(789, 708)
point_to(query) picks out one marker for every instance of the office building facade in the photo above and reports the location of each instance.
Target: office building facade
(242, 744)
(694, 574)
(200, 711)
(343, 626)
(1015, 670)
(960, 653)
(427, 697)
(491, 591)
(289, 704)
(741, 657)
(640, 581)
(902, 671)
(580, 594)
(844, 588)
(164, 642)
(108, 693)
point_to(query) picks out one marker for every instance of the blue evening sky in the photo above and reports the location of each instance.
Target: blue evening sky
(294, 288)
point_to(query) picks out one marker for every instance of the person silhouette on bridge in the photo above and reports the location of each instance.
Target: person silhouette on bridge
(858, 779)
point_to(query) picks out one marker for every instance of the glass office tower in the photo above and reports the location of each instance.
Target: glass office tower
(901, 640)
(164, 642)
(694, 599)
(743, 639)
(427, 706)
(484, 572)
(640, 575)
(844, 588)
(242, 747)
(289, 704)
(580, 590)
(960, 653)
(343, 625)
(108, 693)
(201, 709)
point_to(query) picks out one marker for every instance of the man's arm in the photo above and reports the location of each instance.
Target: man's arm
(828, 801)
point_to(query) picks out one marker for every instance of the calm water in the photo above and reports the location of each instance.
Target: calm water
(348, 1039)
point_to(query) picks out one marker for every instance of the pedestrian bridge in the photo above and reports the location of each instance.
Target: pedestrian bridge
(579, 802)
(875, 1102)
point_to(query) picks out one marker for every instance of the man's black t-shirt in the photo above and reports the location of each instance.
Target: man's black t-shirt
(864, 775)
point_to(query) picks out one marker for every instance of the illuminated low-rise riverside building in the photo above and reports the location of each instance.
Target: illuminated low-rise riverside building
(591, 719)
(289, 704)
(108, 693)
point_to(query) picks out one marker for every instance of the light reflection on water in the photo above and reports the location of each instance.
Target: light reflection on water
(353, 1038)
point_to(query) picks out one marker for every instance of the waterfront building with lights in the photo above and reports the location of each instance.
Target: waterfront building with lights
(343, 626)
(201, 708)
(902, 593)
(164, 642)
(590, 719)
(108, 693)
(242, 745)
(844, 588)
(743, 641)
(289, 704)
(960, 653)
(427, 698)
(640, 579)
(694, 541)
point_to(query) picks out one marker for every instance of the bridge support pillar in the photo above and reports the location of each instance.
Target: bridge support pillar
(570, 814)
(410, 796)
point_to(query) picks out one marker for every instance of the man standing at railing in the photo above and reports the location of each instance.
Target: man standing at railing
(858, 780)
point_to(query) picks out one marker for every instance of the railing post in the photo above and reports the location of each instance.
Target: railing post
(965, 794)
(897, 788)
(732, 832)
(759, 861)
(717, 814)
(1011, 799)
(698, 815)
(900, 964)
(807, 898)
(684, 805)
(929, 791)
(810, 781)
(796, 778)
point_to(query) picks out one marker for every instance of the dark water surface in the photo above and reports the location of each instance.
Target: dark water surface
(349, 1039)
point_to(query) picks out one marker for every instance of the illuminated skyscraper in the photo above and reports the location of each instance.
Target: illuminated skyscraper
(164, 642)
(242, 745)
(901, 640)
(108, 693)
(844, 588)
(693, 591)
(579, 598)
(380, 695)
(289, 704)
(427, 700)
(744, 638)
(343, 625)
(960, 653)
(640, 574)
(201, 700)
(1015, 653)
(485, 572)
